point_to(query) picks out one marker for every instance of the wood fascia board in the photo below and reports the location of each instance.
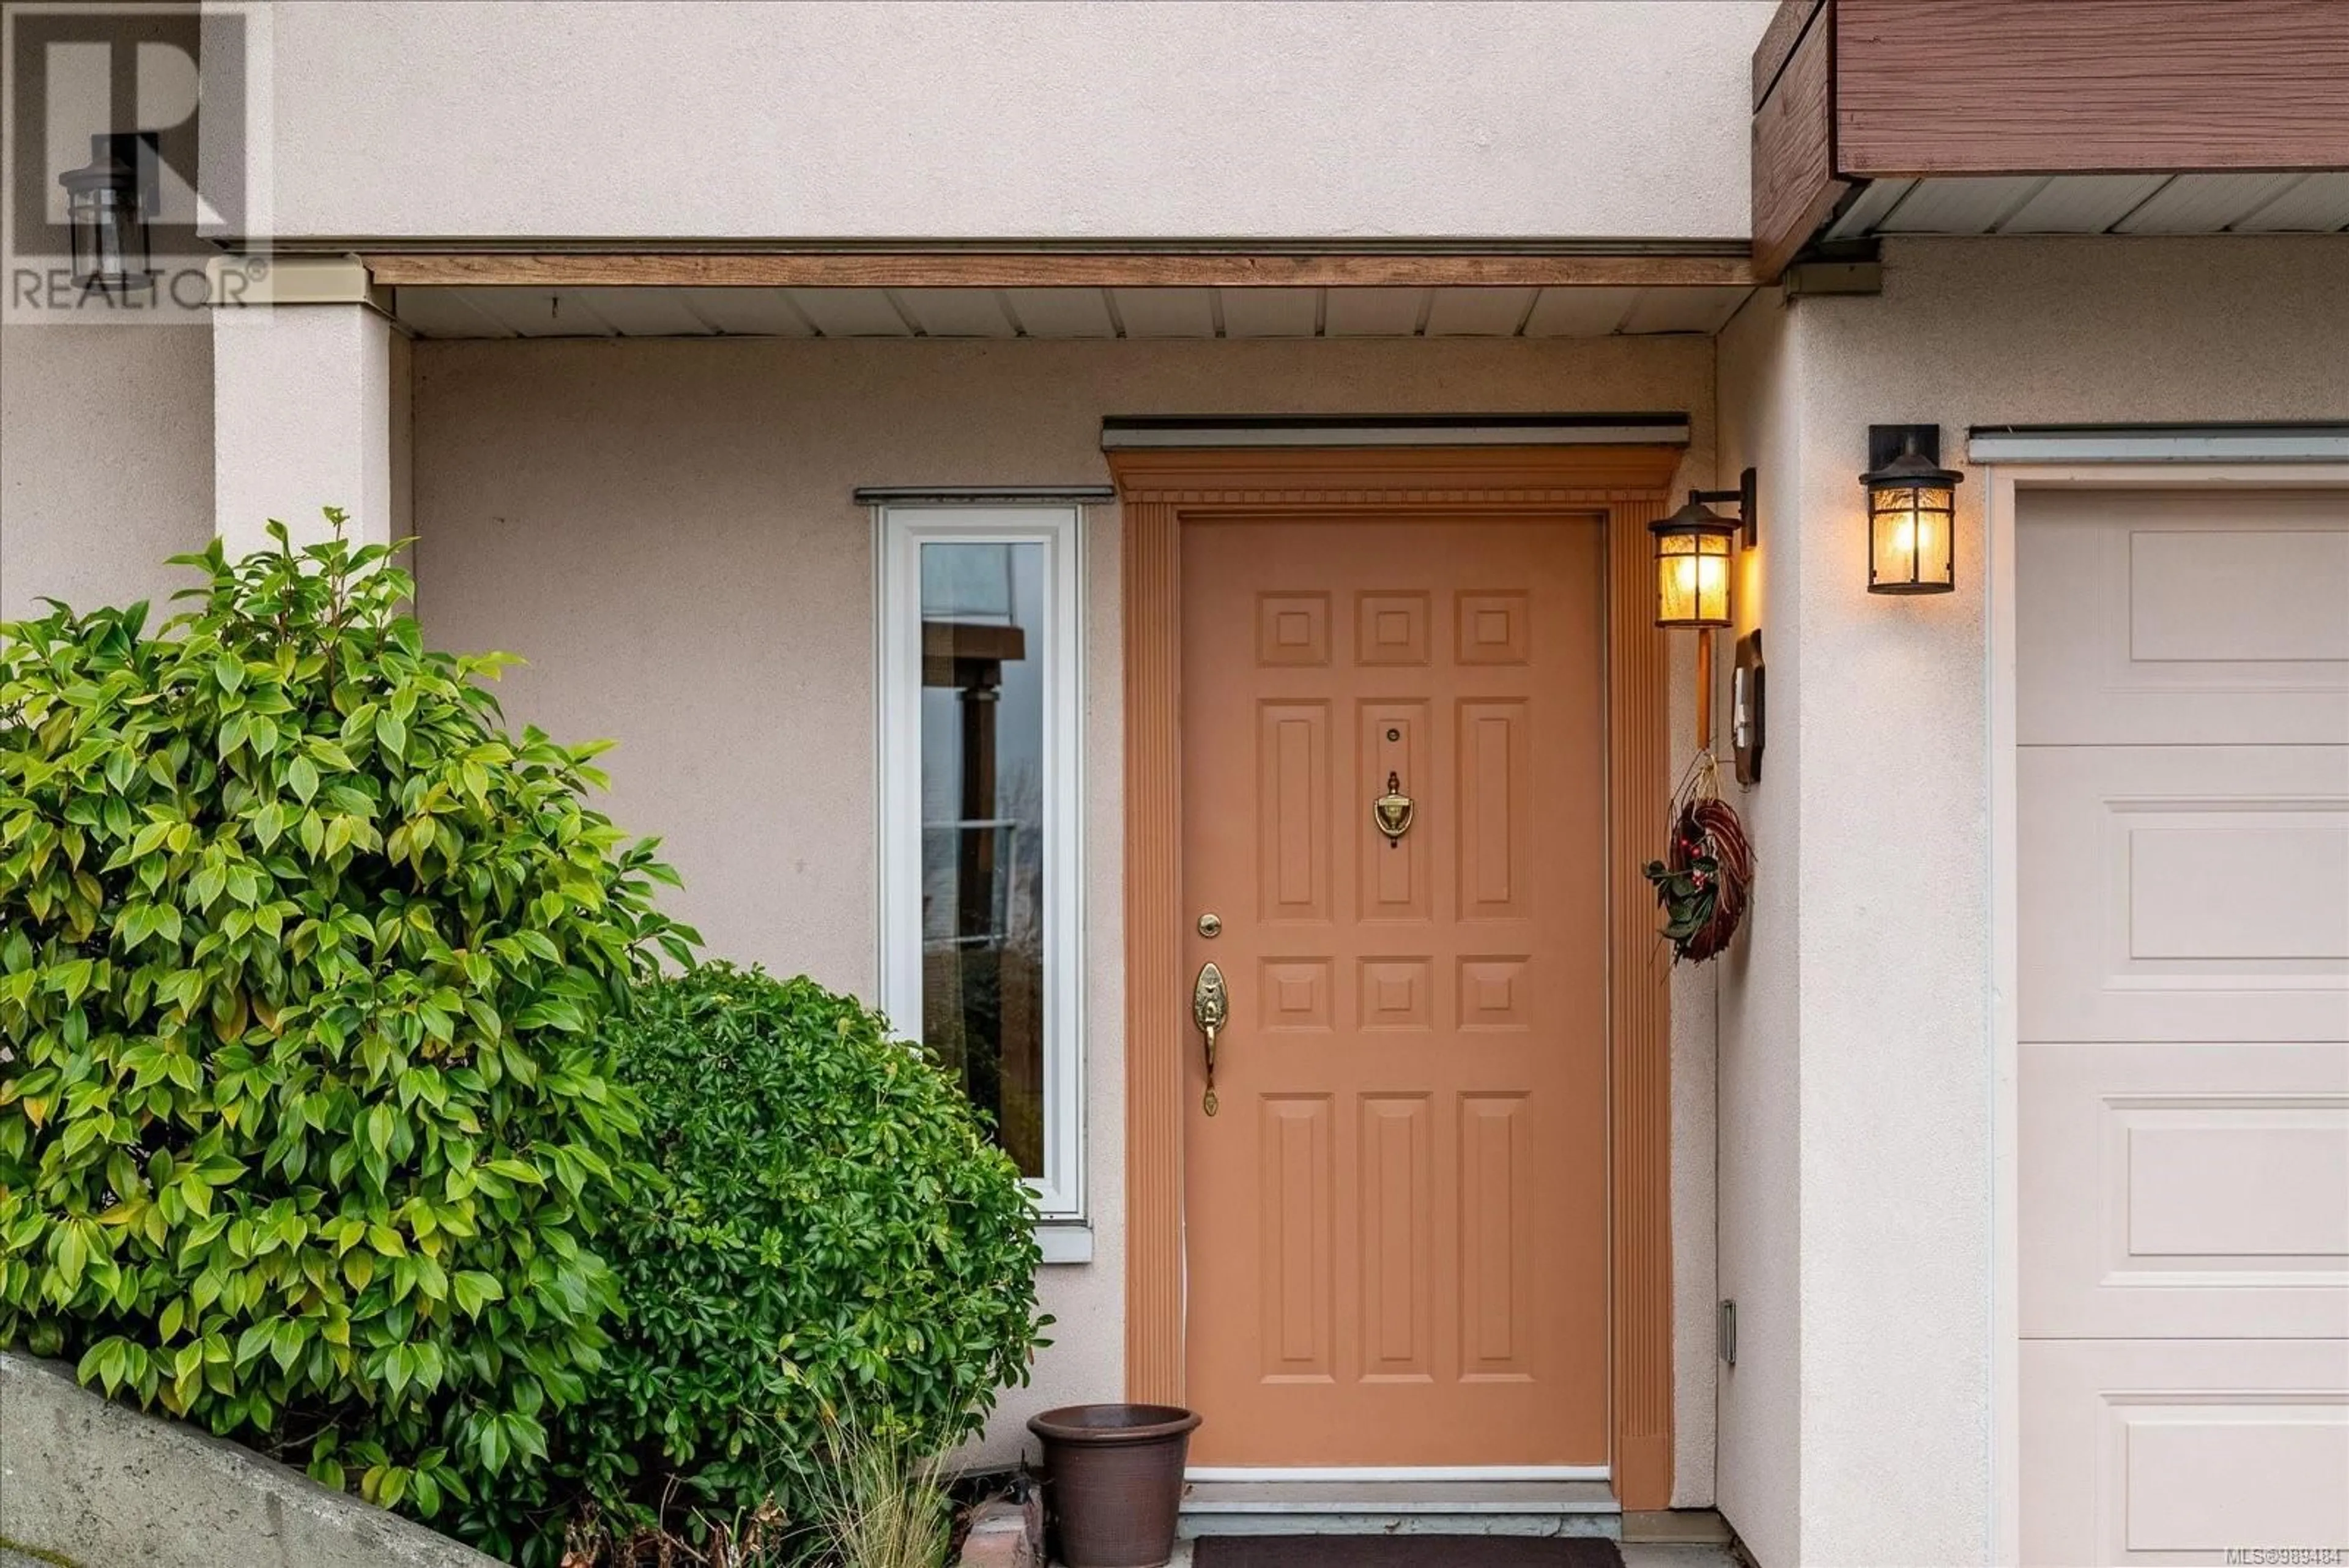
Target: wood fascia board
(1931, 87)
(1849, 91)
(1778, 40)
(1338, 478)
(654, 268)
(1796, 187)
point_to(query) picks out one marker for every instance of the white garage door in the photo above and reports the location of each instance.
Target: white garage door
(2183, 782)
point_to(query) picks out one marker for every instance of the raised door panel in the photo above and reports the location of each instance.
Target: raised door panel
(1398, 1244)
(2183, 1190)
(1391, 628)
(1395, 744)
(2184, 892)
(1495, 752)
(1292, 811)
(1497, 1336)
(2183, 1451)
(1295, 1228)
(2195, 618)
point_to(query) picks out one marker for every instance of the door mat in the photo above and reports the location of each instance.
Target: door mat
(1405, 1552)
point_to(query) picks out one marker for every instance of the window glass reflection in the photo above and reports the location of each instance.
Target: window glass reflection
(983, 652)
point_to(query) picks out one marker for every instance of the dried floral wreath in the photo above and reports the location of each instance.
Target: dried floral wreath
(1703, 882)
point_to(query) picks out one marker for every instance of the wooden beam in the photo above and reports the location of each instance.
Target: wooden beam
(1047, 269)
(1852, 91)
(2026, 86)
(1794, 183)
(1779, 41)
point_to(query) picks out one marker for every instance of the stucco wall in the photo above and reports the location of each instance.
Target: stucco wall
(1759, 1079)
(1855, 1045)
(105, 463)
(311, 409)
(1603, 119)
(666, 529)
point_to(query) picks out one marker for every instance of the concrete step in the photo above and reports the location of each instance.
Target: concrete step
(1399, 1508)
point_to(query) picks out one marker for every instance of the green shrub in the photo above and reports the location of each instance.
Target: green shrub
(304, 1127)
(837, 1243)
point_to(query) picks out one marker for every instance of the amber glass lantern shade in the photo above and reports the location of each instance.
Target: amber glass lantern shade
(1692, 549)
(1911, 513)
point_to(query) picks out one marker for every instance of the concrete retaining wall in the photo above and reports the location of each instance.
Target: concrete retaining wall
(88, 1483)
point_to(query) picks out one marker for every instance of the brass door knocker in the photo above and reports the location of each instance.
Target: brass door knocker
(1391, 811)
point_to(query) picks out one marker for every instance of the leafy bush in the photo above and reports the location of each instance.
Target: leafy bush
(837, 1244)
(303, 1128)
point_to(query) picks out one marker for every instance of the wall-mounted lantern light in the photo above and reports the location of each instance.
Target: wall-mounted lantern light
(1692, 559)
(105, 210)
(1911, 511)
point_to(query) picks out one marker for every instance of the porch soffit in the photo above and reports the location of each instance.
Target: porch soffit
(1071, 312)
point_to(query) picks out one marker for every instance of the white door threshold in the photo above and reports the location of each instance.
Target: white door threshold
(1400, 1508)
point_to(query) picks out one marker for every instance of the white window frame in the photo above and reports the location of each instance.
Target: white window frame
(901, 531)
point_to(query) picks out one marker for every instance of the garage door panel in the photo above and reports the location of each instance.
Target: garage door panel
(2175, 1451)
(2182, 1191)
(2182, 836)
(2182, 618)
(2184, 892)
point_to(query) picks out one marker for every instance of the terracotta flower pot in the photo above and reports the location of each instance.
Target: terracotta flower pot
(1113, 1481)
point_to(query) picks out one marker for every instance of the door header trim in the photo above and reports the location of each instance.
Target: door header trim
(1666, 429)
(2158, 443)
(1338, 478)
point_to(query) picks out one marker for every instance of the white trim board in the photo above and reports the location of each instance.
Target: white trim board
(1495, 430)
(1065, 1241)
(2183, 444)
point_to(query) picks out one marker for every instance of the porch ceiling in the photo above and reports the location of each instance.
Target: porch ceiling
(2263, 203)
(1064, 313)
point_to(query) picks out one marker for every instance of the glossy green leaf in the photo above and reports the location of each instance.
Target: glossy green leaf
(254, 1059)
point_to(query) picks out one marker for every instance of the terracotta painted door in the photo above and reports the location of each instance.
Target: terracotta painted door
(1395, 1226)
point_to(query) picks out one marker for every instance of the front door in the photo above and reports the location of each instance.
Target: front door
(1396, 1221)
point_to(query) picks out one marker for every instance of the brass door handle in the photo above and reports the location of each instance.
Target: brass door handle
(1210, 1007)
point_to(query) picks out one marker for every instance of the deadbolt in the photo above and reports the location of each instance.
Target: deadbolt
(1211, 924)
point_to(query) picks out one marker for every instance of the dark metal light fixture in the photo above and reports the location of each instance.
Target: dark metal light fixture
(106, 206)
(1692, 556)
(1911, 511)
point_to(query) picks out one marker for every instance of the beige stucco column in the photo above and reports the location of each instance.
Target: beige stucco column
(310, 402)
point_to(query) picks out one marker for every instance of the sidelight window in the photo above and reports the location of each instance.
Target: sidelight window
(979, 740)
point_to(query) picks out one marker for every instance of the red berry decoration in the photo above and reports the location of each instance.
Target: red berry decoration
(1704, 886)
